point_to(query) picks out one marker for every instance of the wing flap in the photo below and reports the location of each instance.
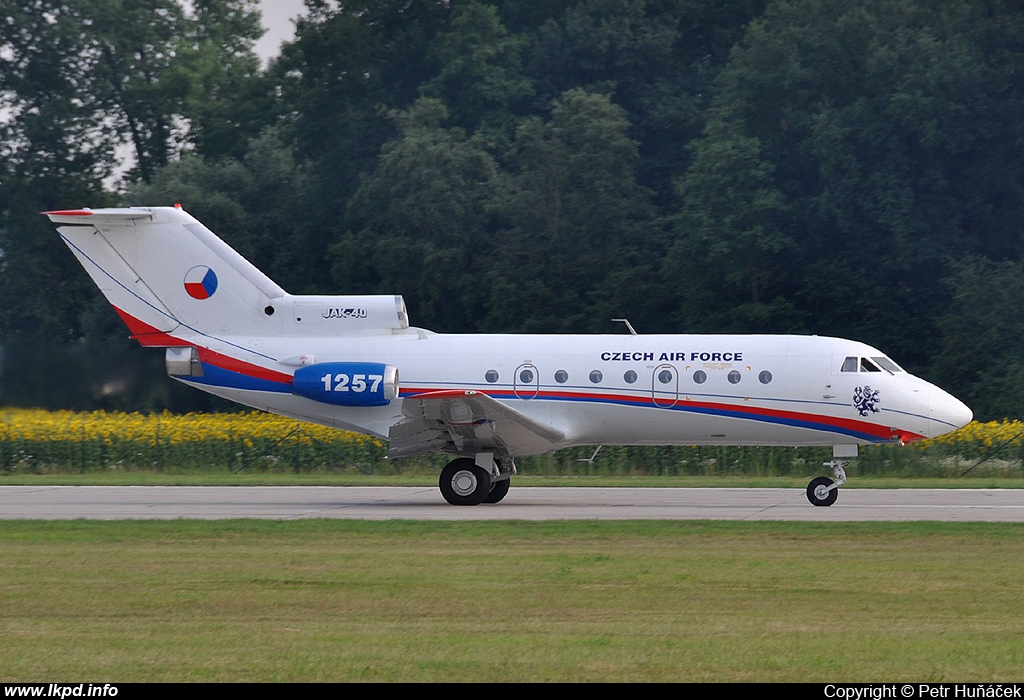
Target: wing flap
(467, 422)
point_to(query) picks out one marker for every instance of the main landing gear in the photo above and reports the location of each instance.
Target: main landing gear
(823, 491)
(464, 482)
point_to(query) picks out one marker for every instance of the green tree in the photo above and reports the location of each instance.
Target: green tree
(655, 58)
(229, 101)
(82, 77)
(732, 248)
(480, 75)
(424, 221)
(577, 215)
(981, 354)
(349, 64)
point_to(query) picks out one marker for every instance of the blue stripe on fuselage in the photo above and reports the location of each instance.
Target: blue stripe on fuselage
(216, 376)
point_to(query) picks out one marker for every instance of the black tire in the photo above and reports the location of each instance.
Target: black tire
(816, 488)
(463, 483)
(499, 489)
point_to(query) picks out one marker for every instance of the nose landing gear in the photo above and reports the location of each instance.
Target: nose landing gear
(823, 491)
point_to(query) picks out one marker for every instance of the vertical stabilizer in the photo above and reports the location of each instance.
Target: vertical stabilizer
(168, 275)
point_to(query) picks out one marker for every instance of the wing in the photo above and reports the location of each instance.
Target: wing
(467, 422)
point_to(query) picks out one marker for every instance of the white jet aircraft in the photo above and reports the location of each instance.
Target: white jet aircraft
(355, 363)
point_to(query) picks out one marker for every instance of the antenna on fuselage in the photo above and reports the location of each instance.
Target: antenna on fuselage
(628, 325)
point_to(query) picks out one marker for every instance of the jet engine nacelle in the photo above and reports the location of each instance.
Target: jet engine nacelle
(347, 383)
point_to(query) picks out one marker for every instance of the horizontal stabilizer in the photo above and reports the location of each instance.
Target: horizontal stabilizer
(90, 216)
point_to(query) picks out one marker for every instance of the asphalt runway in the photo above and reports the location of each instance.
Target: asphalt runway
(524, 503)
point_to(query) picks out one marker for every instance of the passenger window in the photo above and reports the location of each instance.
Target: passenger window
(491, 376)
(700, 376)
(561, 376)
(629, 376)
(764, 377)
(850, 364)
(596, 376)
(526, 376)
(665, 376)
(735, 377)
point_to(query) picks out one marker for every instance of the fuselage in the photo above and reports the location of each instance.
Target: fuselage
(620, 389)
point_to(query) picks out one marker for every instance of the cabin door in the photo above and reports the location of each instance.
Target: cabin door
(665, 386)
(526, 382)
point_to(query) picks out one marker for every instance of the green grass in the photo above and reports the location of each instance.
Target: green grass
(510, 601)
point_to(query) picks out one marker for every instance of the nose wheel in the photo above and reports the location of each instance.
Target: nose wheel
(823, 491)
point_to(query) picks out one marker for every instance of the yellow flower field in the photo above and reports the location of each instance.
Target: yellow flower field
(41, 426)
(39, 441)
(980, 436)
(57, 440)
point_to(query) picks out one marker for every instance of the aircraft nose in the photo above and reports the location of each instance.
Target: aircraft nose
(946, 409)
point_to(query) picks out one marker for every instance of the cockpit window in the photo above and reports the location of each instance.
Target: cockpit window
(887, 364)
(872, 364)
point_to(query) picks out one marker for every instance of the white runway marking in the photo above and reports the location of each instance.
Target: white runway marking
(524, 503)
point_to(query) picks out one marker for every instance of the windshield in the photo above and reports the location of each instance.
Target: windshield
(886, 363)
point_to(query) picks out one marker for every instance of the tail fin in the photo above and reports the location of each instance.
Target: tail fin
(160, 268)
(173, 281)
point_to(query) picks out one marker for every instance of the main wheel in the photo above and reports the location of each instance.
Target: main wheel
(818, 492)
(499, 489)
(463, 483)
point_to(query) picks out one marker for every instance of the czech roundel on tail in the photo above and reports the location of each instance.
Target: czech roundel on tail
(356, 363)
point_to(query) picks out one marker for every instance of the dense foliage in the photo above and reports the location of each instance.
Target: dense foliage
(842, 167)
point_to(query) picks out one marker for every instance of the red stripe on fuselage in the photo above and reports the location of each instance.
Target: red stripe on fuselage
(247, 368)
(881, 432)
